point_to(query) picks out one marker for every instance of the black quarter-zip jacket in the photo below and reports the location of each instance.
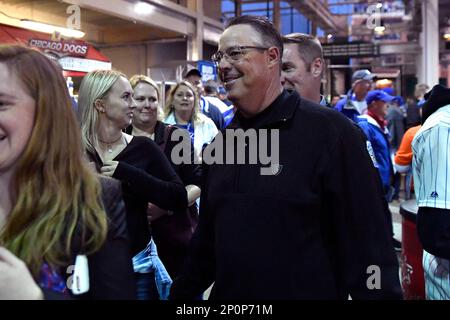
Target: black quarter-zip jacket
(314, 230)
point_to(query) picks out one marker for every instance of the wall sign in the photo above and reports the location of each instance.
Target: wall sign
(60, 48)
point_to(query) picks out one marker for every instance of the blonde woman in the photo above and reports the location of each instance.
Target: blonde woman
(53, 207)
(106, 104)
(171, 231)
(182, 109)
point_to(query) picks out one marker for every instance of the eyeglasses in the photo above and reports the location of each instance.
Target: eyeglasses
(233, 54)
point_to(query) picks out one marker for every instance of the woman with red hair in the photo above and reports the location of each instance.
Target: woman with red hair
(55, 211)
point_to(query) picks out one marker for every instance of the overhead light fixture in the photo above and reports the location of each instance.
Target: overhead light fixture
(48, 28)
(329, 36)
(143, 8)
(447, 32)
(380, 29)
(379, 5)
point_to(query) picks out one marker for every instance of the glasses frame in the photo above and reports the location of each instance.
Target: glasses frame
(219, 55)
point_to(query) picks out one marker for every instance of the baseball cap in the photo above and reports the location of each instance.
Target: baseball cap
(389, 91)
(193, 72)
(376, 95)
(362, 74)
(399, 100)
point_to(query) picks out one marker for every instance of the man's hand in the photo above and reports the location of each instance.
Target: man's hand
(16, 282)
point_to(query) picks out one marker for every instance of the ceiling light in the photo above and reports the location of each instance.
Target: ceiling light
(447, 36)
(380, 29)
(143, 8)
(379, 5)
(48, 28)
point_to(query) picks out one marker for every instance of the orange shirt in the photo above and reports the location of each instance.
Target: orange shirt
(404, 155)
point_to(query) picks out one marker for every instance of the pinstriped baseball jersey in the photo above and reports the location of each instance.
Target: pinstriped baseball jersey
(431, 168)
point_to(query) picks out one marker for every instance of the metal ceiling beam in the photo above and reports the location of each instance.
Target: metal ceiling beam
(125, 10)
(410, 48)
(167, 15)
(316, 11)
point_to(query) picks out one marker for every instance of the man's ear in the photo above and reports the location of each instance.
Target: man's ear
(317, 67)
(99, 105)
(273, 54)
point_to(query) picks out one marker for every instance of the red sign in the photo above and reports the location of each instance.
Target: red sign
(61, 48)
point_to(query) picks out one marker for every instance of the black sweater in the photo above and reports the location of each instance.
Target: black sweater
(189, 173)
(110, 268)
(146, 176)
(172, 233)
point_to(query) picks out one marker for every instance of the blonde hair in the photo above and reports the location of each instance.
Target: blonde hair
(168, 108)
(55, 194)
(420, 90)
(95, 85)
(139, 78)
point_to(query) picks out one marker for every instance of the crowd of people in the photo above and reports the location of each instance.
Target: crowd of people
(94, 204)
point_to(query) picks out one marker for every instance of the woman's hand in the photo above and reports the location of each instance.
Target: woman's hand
(16, 282)
(109, 167)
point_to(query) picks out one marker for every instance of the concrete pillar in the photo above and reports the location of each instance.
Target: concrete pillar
(448, 75)
(428, 66)
(276, 15)
(195, 39)
(313, 28)
(238, 7)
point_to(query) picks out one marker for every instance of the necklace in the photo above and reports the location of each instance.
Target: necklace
(110, 144)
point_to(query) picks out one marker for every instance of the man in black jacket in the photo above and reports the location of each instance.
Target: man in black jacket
(310, 227)
(431, 166)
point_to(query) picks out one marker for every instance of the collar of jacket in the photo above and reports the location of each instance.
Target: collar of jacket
(129, 129)
(159, 131)
(323, 101)
(280, 111)
(374, 122)
(348, 102)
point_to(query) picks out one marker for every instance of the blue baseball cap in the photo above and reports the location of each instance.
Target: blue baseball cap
(389, 91)
(399, 100)
(376, 95)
